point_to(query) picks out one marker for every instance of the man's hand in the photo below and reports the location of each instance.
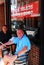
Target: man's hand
(1, 47)
(10, 59)
(13, 58)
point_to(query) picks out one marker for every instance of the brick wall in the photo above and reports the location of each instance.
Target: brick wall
(34, 55)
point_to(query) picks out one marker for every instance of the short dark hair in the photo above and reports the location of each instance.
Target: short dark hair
(5, 26)
(19, 28)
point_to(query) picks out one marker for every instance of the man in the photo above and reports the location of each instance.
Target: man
(4, 34)
(23, 45)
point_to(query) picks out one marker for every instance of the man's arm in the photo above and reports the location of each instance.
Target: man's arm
(5, 44)
(22, 51)
(8, 43)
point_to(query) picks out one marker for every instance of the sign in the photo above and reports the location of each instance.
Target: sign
(28, 10)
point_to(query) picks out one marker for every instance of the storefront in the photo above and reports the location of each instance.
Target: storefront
(28, 11)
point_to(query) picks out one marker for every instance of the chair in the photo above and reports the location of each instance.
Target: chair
(22, 60)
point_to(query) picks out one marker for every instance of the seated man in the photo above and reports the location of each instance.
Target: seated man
(5, 34)
(23, 45)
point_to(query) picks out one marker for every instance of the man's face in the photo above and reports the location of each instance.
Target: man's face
(20, 33)
(4, 29)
